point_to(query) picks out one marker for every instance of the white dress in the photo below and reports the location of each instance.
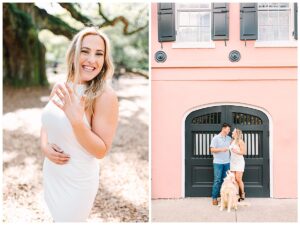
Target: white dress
(69, 189)
(237, 161)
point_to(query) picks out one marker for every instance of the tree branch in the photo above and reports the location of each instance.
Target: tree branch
(76, 14)
(53, 23)
(138, 72)
(122, 19)
(42, 20)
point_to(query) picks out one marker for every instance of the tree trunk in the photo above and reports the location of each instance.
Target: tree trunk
(23, 53)
(24, 56)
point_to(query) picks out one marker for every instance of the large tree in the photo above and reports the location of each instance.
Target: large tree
(24, 55)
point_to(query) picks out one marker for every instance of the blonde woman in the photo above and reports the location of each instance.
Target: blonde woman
(237, 163)
(78, 126)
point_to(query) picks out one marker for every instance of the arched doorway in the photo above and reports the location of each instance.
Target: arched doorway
(200, 127)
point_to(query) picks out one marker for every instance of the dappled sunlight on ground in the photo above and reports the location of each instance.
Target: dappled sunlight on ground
(129, 90)
(29, 119)
(123, 192)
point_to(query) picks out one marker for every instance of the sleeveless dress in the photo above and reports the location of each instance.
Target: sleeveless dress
(237, 162)
(69, 189)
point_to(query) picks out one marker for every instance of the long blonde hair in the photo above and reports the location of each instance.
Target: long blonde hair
(239, 135)
(95, 86)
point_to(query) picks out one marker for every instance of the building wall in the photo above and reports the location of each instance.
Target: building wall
(264, 78)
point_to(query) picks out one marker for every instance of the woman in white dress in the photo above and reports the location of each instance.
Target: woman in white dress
(78, 126)
(237, 163)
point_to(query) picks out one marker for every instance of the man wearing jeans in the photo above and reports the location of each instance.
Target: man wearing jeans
(219, 148)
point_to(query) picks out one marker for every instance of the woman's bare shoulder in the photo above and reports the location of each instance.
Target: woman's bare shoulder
(108, 98)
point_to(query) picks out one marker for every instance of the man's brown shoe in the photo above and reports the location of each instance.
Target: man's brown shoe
(215, 202)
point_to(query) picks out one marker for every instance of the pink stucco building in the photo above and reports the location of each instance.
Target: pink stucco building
(197, 85)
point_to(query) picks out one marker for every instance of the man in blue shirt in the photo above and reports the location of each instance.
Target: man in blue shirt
(219, 148)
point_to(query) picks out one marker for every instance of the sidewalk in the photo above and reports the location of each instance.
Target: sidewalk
(201, 210)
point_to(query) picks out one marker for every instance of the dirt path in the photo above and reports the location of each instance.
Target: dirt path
(123, 191)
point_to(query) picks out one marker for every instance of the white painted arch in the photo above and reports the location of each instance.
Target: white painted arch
(221, 104)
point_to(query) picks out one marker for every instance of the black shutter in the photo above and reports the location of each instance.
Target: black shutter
(296, 21)
(166, 22)
(220, 21)
(248, 21)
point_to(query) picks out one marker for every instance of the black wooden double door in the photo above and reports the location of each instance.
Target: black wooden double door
(202, 125)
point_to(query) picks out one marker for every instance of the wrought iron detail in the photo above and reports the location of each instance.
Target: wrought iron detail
(212, 118)
(245, 119)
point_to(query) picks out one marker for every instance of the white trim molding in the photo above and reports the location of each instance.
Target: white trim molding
(220, 104)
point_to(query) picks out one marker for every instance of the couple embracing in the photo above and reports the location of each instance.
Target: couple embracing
(228, 155)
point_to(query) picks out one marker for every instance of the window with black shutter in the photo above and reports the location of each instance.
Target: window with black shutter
(192, 22)
(268, 21)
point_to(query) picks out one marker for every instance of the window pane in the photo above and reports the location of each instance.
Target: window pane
(266, 33)
(272, 18)
(275, 33)
(284, 18)
(184, 19)
(204, 18)
(283, 33)
(261, 33)
(193, 23)
(204, 34)
(193, 19)
(262, 18)
(268, 18)
(193, 34)
(273, 25)
(187, 34)
(270, 33)
(193, 26)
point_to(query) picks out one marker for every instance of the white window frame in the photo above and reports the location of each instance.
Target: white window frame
(202, 44)
(291, 43)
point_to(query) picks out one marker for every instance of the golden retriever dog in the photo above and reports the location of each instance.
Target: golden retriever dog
(229, 192)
